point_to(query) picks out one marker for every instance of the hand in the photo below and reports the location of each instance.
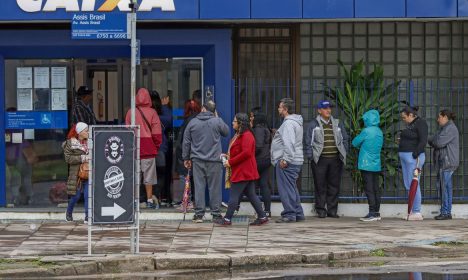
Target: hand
(188, 164)
(226, 164)
(283, 164)
(165, 100)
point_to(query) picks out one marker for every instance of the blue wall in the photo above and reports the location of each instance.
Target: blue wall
(214, 45)
(272, 9)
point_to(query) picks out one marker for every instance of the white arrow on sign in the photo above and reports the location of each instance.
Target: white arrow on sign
(115, 211)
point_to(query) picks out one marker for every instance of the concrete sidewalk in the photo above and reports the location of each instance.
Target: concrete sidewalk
(176, 244)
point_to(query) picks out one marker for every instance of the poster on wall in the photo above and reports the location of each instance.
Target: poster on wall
(59, 77)
(24, 77)
(59, 99)
(41, 77)
(42, 99)
(24, 99)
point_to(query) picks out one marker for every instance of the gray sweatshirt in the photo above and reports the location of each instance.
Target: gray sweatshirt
(446, 147)
(287, 142)
(202, 137)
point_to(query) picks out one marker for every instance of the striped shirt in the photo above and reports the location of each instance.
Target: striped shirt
(329, 145)
(83, 113)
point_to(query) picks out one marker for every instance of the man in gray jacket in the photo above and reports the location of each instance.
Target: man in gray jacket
(201, 149)
(326, 144)
(287, 157)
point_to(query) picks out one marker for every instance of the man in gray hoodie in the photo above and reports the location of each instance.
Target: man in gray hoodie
(201, 149)
(287, 157)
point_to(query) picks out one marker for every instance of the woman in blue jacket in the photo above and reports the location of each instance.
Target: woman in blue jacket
(370, 142)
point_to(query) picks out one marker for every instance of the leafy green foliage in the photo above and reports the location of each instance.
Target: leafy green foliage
(358, 94)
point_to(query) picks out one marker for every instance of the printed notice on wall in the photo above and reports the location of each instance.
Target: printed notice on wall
(59, 99)
(41, 77)
(24, 77)
(59, 77)
(24, 99)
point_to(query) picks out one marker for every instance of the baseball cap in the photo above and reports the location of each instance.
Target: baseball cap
(84, 90)
(324, 104)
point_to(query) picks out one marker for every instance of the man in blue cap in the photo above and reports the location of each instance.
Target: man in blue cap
(326, 144)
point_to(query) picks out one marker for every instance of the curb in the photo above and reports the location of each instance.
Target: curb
(81, 265)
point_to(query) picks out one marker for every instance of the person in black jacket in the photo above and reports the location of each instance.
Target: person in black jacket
(262, 154)
(413, 140)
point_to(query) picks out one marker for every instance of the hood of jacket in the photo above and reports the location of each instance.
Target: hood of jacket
(143, 98)
(204, 116)
(296, 118)
(371, 118)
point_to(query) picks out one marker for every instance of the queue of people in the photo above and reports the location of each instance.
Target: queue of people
(255, 148)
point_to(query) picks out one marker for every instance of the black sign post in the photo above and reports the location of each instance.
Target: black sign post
(113, 185)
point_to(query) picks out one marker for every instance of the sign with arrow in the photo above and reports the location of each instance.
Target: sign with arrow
(113, 175)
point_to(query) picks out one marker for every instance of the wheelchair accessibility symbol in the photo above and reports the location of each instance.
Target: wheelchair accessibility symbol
(45, 119)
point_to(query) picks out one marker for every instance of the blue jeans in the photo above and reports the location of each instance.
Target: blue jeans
(445, 188)
(408, 164)
(74, 199)
(288, 193)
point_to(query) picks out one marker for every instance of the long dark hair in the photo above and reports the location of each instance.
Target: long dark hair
(260, 119)
(243, 122)
(156, 101)
(447, 113)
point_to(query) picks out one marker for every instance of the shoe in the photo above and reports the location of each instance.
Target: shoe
(268, 214)
(69, 217)
(259, 221)
(284, 220)
(197, 218)
(333, 215)
(443, 217)
(370, 218)
(224, 204)
(86, 220)
(321, 215)
(222, 221)
(156, 202)
(150, 204)
(415, 217)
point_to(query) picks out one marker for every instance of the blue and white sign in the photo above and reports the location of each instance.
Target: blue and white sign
(106, 26)
(36, 120)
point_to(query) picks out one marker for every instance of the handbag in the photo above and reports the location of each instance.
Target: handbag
(83, 172)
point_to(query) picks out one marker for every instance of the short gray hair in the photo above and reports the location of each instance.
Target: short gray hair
(210, 106)
(289, 105)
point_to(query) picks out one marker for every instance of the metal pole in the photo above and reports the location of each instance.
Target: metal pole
(133, 45)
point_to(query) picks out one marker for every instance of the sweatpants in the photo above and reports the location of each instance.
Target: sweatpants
(288, 192)
(207, 173)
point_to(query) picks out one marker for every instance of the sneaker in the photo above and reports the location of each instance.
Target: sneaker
(216, 216)
(259, 221)
(197, 218)
(222, 222)
(69, 217)
(86, 220)
(224, 204)
(443, 217)
(268, 214)
(156, 202)
(150, 204)
(415, 217)
(370, 218)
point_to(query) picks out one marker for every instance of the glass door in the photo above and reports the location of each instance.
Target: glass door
(176, 80)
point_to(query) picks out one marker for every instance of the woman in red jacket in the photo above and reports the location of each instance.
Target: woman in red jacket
(244, 170)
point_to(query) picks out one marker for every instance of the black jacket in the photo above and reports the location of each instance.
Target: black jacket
(262, 143)
(413, 138)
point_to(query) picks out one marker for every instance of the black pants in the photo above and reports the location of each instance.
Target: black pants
(264, 183)
(248, 188)
(372, 189)
(327, 179)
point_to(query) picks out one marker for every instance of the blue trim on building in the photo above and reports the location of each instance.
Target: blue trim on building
(2, 135)
(269, 9)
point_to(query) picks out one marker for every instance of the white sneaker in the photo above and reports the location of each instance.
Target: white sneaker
(415, 217)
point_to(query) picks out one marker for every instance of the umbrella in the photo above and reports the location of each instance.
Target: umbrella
(413, 187)
(186, 196)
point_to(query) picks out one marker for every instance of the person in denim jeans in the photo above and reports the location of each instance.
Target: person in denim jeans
(446, 159)
(413, 140)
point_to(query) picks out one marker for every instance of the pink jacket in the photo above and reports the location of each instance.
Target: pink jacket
(150, 139)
